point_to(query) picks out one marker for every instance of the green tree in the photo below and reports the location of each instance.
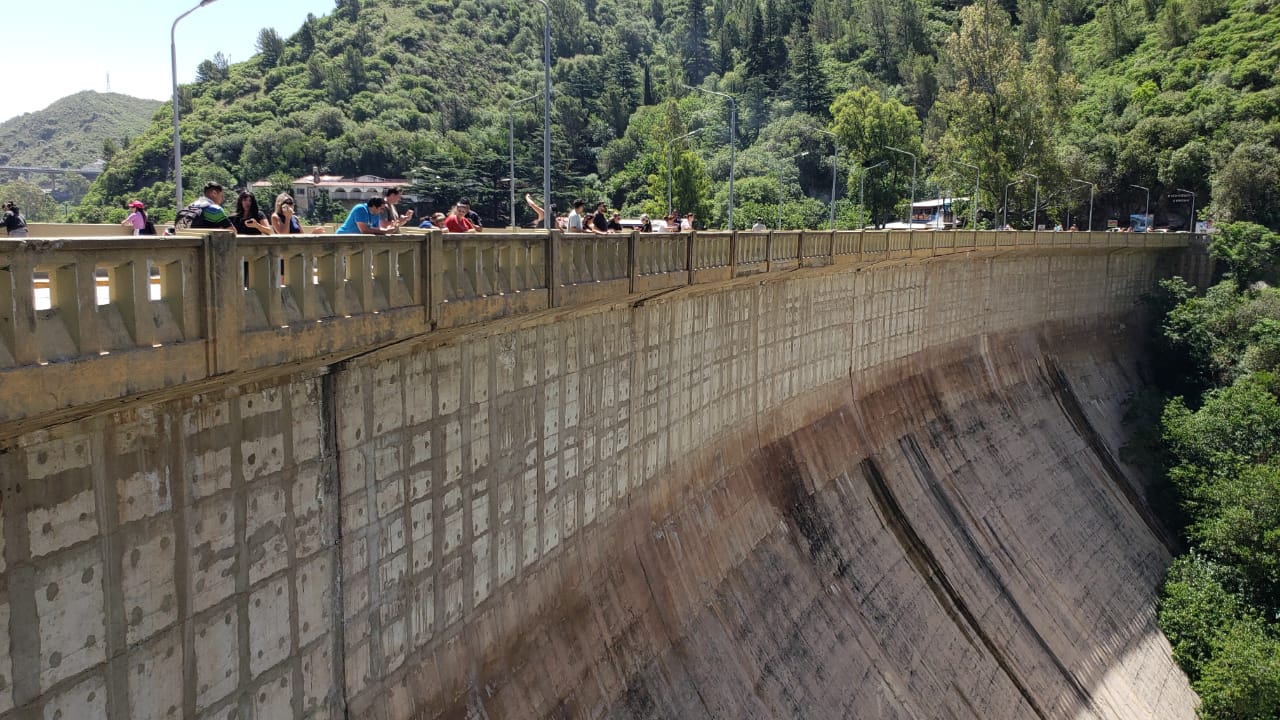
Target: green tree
(1195, 609)
(270, 47)
(695, 45)
(1248, 249)
(1247, 187)
(31, 199)
(808, 85)
(1242, 679)
(867, 124)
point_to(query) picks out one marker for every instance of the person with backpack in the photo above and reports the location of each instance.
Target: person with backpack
(206, 211)
(138, 219)
(13, 221)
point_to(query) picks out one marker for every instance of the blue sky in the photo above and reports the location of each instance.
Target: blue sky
(52, 50)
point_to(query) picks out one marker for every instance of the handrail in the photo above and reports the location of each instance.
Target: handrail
(126, 315)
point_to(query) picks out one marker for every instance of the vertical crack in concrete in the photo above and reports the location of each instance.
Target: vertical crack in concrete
(331, 513)
(930, 570)
(1071, 407)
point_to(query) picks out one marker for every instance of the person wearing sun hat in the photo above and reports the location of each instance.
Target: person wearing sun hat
(137, 218)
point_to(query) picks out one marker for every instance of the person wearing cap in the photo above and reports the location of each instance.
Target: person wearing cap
(137, 217)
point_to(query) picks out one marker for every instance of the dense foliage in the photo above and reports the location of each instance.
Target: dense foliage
(1220, 606)
(1034, 100)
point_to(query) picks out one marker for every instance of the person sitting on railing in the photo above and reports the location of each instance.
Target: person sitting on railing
(363, 219)
(249, 220)
(13, 221)
(458, 221)
(283, 219)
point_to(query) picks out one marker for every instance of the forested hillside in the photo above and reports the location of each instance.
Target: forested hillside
(75, 131)
(1034, 99)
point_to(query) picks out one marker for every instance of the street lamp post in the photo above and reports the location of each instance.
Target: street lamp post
(835, 157)
(511, 149)
(733, 140)
(177, 136)
(1191, 224)
(1035, 205)
(793, 157)
(1091, 187)
(911, 210)
(1005, 210)
(670, 142)
(547, 220)
(977, 180)
(1146, 209)
(862, 181)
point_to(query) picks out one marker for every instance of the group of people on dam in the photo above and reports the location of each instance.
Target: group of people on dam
(379, 215)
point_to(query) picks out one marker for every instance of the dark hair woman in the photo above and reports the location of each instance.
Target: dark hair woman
(248, 219)
(13, 221)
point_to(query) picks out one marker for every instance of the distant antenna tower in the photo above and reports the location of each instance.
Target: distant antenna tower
(108, 81)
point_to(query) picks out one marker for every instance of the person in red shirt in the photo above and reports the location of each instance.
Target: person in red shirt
(457, 220)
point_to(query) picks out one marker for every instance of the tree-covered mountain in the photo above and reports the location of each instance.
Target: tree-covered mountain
(75, 131)
(1033, 99)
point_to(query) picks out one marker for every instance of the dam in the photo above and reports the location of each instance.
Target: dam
(706, 475)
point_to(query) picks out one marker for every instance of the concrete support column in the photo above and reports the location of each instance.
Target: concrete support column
(224, 301)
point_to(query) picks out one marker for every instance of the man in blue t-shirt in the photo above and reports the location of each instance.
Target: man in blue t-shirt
(364, 218)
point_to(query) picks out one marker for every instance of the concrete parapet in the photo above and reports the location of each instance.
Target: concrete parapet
(129, 315)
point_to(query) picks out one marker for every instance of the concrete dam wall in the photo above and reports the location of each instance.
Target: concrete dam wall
(882, 491)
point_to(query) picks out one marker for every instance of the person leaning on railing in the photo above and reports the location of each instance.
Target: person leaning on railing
(13, 222)
(283, 219)
(364, 218)
(458, 222)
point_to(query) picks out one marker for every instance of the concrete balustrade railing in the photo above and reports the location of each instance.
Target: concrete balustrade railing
(93, 319)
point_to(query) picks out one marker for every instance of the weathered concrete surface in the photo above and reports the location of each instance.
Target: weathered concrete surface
(875, 492)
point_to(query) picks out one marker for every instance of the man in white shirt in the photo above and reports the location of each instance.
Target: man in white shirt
(575, 216)
(686, 225)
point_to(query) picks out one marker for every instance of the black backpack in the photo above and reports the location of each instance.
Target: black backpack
(186, 216)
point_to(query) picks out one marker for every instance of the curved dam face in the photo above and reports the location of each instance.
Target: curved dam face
(890, 491)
